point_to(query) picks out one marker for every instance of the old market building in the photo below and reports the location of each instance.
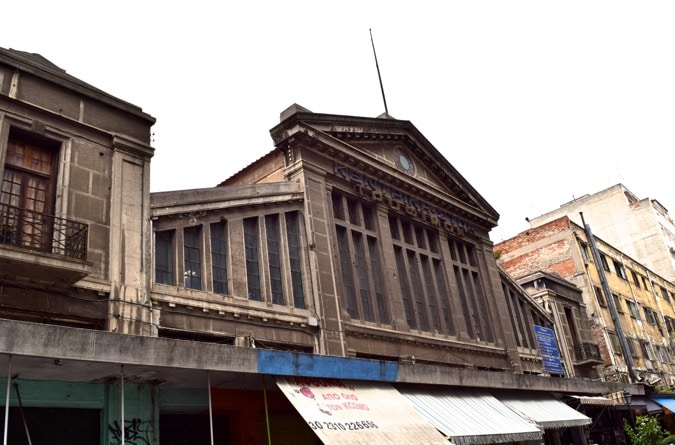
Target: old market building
(340, 289)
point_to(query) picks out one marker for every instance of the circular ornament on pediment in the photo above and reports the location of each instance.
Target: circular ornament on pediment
(404, 161)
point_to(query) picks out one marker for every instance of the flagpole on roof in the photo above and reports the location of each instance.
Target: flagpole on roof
(386, 110)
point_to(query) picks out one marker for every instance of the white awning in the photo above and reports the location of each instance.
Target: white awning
(595, 400)
(544, 409)
(347, 412)
(471, 416)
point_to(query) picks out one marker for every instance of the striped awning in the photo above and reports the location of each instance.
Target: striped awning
(471, 416)
(544, 409)
(595, 400)
(619, 397)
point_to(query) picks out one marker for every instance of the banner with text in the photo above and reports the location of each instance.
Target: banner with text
(347, 412)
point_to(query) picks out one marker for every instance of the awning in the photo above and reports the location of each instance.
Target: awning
(639, 403)
(471, 416)
(348, 412)
(651, 406)
(544, 409)
(595, 400)
(667, 402)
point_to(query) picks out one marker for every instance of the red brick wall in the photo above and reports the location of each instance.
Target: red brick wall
(545, 248)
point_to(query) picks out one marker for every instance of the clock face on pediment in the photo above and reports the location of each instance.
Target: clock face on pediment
(404, 161)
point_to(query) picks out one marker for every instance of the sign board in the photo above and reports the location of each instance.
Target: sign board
(349, 412)
(548, 346)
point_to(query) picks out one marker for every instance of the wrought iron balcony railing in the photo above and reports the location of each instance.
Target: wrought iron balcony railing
(43, 233)
(588, 351)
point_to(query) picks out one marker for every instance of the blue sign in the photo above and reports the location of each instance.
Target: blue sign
(549, 349)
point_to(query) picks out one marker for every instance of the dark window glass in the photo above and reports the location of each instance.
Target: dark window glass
(432, 299)
(393, 227)
(368, 217)
(164, 257)
(338, 207)
(353, 208)
(251, 238)
(219, 257)
(405, 288)
(274, 258)
(346, 266)
(362, 275)
(416, 283)
(377, 281)
(293, 233)
(193, 256)
(444, 298)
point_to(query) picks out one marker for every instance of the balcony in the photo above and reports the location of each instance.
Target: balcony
(39, 247)
(588, 353)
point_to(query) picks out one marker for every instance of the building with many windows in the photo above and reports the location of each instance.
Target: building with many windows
(632, 309)
(641, 228)
(345, 257)
(337, 290)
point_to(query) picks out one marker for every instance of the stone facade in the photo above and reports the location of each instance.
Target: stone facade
(372, 240)
(99, 150)
(353, 251)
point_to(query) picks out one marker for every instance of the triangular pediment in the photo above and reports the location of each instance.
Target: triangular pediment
(389, 149)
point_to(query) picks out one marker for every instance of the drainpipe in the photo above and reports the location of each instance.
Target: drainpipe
(9, 388)
(208, 380)
(122, 402)
(610, 302)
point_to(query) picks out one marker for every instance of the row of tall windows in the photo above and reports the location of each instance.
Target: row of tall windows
(422, 272)
(360, 260)
(271, 244)
(523, 317)
(426, 300)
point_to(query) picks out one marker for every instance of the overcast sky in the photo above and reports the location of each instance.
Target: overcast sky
(535, 103)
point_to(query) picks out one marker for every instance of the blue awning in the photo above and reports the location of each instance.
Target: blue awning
(665, 401)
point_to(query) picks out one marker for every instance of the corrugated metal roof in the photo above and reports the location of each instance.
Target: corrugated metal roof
(471, 416)
(545, 410)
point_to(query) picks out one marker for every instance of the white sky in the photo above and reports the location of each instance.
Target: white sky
(533, 102)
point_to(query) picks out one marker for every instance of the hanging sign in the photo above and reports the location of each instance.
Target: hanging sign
(549, 349)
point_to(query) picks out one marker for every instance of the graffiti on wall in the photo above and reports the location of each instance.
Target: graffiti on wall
(136, 432)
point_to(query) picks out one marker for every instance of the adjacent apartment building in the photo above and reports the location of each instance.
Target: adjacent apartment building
(641, 228)
(341, 289)
(631, 307)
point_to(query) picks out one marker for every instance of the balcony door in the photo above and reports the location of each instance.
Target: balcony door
(27, 198)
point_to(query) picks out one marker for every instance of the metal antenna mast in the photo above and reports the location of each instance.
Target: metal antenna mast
(386, 110)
